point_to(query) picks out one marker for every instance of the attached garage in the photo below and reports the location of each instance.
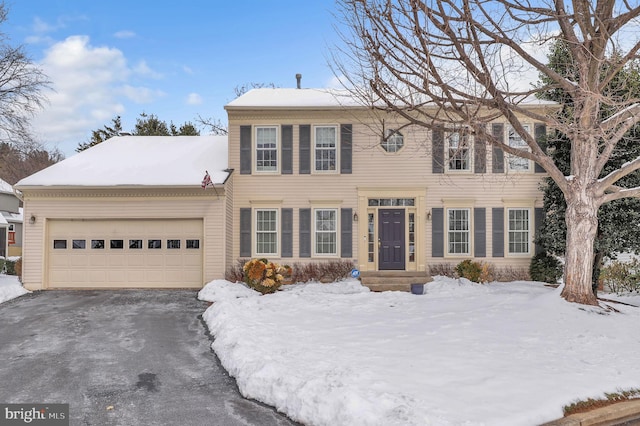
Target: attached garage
(125, 253)
(128, 213)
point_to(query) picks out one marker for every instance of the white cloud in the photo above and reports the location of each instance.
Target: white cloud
(143, 69)
(91, 85)
(124, 34)
(187, 70)
(194, 99)
(141, 95)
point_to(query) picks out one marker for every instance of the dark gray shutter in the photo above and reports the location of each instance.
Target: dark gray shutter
(346, 142)
(287, 149)
(305, 149)
(305, 232)
(480, 232)
(497, 130)
(437, 232)
(539, 217)
(346, 232)
(480, 154)
(245, 232)
(287, 232)
(437, 150)
(245, 150)
(497, 214)
(540, 132)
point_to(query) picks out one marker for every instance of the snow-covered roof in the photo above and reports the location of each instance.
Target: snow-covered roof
(319, 98)
(296, 98)
(5, 187)
(139, 161)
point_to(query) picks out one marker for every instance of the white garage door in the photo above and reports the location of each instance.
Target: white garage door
(125, 253)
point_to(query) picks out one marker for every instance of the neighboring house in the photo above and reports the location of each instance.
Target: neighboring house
(129, 212)
(10, 222)
(308, 176)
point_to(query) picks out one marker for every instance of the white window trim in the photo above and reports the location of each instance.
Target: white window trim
(255, 150)
(447, 230)
(314, 170)
(314, 233)
(389, 134)
(508, 253)
(470, 141)
(508, 156)
(255, 232)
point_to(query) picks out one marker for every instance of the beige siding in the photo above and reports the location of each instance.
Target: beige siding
(49, 205)
(408, 171)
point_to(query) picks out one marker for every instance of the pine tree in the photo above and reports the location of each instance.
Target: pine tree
(101, 135)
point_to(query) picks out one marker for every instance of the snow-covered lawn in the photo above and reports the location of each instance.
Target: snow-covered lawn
(461, 354)
(10, 287)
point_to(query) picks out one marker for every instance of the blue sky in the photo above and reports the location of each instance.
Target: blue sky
(176, 60)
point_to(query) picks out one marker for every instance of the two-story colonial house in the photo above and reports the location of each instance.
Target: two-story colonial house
(319, 177)
(309, 176)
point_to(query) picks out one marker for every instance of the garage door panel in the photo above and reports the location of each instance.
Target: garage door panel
(124, 267)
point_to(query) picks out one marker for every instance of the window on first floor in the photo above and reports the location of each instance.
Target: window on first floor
(518, 231)
(266, 232)
(458, 231)
(326, 231)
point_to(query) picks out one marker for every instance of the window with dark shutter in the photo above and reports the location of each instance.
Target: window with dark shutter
(287, 232)
(437, 151)
(497, 130)
(346, 232)
(245, 232)
(497, 222)
(346, 139)
(437, 232)
(479, 232)
(245, 150)
(305, 149)
(305, 232)
(287, 149)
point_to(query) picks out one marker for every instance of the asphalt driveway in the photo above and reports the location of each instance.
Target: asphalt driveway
(120, 358)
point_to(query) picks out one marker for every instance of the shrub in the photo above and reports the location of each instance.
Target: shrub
(235, 273)
(511, 273)
(1, 264)
(18, 268)
(264, 276)
(322, 271)
(545, 268)
(443, 269)
(10, 266)
(622, 277)
(470, 270)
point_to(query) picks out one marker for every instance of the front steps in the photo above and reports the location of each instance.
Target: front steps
(393, 280)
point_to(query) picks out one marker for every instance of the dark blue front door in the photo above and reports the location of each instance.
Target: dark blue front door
(391, 244)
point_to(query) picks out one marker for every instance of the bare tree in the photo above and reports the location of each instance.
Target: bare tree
(21, 85)
(454, 62)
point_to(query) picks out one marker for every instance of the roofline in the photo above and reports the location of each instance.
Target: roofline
(102, 187)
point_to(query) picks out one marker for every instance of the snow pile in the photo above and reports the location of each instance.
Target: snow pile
(10, 287)
(219, 290)
(461, 354)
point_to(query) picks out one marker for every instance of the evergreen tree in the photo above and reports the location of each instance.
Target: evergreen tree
(101, 135)
(150, 125)
(618, 229)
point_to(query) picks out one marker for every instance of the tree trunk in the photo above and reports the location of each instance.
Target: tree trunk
(582, 226)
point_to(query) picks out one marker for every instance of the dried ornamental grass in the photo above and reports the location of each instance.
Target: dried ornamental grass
(264, 276)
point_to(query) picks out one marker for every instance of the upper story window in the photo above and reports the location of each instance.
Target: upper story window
(458, 151)
(326, 148)
(393, 141)
(517, 141)
(266, 149)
